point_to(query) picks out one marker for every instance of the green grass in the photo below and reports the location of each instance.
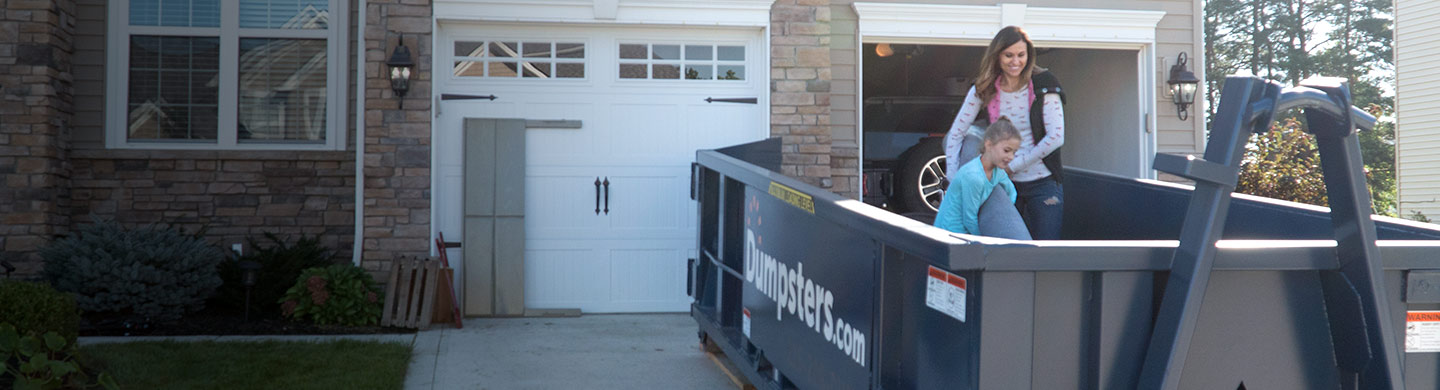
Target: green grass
(268, 365)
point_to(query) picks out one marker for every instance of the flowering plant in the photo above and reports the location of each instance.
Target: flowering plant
(337, 294)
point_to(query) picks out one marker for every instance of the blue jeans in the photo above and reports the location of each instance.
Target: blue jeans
(1042, 206)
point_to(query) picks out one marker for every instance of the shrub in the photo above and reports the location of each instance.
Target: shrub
(142, 275)
(46, 361)
(279, 263)
(36, 308)
(339, 294)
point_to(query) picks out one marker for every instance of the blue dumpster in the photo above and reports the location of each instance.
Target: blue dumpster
(1156, 285)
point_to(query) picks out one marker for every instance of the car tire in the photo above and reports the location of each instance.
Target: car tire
(921, 182)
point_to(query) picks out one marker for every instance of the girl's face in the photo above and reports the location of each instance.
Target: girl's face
(1013, 59)
(1000, 153)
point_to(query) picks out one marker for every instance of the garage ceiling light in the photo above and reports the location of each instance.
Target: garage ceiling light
(884, 50)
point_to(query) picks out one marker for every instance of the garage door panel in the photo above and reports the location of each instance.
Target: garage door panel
(561, 203)
(640, 201)
(714, 134)
(559, 276)
(652, 132)
(641, 276)
(562, 147)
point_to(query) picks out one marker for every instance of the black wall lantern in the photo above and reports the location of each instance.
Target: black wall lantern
(400, 68)
(1182, 86)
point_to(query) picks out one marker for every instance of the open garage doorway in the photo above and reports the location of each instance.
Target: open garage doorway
(910, 94)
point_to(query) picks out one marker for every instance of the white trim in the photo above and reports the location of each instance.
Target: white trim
(229, 33)
(1046, 26)
(754, 13)
(357, 248)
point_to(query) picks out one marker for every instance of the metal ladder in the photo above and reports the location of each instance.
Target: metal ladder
(1354, 293)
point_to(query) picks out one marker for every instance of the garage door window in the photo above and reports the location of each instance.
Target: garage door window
(676, 62)
(520, 59)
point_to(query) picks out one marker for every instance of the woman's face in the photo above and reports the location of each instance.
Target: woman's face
(1013, 59)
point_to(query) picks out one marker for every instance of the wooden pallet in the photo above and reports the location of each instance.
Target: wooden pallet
(410, 294)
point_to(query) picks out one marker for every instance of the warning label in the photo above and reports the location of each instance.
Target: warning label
(745, 322)
(1422, 331)
(945, 292)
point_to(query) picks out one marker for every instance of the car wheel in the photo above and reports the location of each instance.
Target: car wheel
(922, 182)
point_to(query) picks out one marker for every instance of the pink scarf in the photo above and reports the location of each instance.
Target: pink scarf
(994, 106)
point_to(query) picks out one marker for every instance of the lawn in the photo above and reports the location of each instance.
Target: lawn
(267, 365)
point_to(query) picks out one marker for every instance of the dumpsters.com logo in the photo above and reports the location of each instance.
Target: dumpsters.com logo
(796, 294)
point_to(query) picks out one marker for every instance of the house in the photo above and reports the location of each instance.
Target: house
(1417, 125)
(551, 139)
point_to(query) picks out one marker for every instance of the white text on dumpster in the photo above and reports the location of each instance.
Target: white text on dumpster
(801, 297)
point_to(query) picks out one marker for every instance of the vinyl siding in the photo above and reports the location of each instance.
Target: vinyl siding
(1417, 131)
(1178, 31)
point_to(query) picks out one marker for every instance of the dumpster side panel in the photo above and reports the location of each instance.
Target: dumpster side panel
(921, 347)
(1265, 329)
(1063, 330)
(809, 291)
(1421, 368)
(1007, 321)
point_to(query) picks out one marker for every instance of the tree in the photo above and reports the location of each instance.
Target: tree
(1288, 41)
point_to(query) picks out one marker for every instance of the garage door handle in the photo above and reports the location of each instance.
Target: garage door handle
(597, 195)
(607, 195)
(732, 100)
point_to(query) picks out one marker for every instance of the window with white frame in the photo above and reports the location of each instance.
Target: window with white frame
(528, 59)
(676, 61)
(213, 74)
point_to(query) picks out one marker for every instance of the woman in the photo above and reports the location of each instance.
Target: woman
(1010, 85)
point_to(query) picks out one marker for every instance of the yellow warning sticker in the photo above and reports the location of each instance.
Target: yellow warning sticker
(793, 197)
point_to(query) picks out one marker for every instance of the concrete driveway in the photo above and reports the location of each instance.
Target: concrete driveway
(620, 351)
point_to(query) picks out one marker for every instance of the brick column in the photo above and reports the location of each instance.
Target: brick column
(800, 88)
(397, 141)
(36, 109)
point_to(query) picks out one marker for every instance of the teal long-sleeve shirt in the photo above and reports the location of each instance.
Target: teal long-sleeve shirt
(960, 208)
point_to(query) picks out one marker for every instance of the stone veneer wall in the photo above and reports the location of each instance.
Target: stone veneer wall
(36, 108)
(800, 88)
(397, 141)
(233, 196)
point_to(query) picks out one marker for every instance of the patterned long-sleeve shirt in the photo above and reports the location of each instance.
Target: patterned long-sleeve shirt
(1016, 106)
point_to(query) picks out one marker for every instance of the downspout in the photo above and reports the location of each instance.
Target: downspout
(359, 135)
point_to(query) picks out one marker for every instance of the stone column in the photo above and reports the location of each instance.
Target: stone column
(36, 109)
(397, 140)
(800, 88)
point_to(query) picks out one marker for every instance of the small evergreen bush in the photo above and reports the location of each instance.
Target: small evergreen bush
(36, 308)
(340, 294)
(142, 275)
(280, 264)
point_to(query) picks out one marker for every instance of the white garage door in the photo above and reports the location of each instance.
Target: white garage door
(640, 94)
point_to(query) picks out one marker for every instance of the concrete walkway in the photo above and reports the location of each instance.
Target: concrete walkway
(619, 351)
(629, 351)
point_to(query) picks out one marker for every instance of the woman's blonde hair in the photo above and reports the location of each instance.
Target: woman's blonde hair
(1001, 130)
(990, 63)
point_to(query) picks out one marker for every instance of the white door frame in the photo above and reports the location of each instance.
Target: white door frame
(1071, 28)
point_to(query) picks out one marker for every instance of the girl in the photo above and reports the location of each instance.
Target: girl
(974, 181)
(1009, 84)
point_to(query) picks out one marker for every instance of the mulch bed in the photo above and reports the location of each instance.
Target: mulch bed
(212, 323)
